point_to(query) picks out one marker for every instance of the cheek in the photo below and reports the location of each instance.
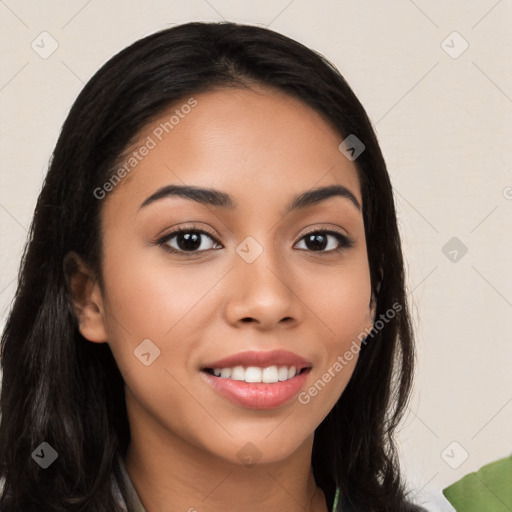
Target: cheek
(154, 313)
(152, 298)
(349, 305)
(148, 299)
(341, 299)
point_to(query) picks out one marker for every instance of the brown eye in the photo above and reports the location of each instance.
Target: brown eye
(186, 240)
(326, 241)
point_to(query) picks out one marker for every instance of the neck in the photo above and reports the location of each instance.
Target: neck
(170, 473)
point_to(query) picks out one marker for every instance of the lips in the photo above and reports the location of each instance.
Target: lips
(234, 377)
(260, 359)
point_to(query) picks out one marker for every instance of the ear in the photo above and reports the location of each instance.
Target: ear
(86, 298)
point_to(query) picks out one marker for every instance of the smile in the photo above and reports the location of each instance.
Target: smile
(268, 375)
(258, 379)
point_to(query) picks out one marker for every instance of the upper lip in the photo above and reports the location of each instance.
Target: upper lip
(261, 359)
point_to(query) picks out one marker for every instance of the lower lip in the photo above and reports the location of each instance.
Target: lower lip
(258, 395)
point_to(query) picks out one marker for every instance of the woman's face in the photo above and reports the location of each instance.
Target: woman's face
(246, 275)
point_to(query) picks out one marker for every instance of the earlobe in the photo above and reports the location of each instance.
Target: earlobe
(86, 298)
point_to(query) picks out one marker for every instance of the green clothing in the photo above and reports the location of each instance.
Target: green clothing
(336, 498)
(487, 490)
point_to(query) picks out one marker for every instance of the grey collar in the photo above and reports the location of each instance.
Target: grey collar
(129, 501)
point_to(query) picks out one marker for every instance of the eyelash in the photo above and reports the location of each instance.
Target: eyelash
(344, 241)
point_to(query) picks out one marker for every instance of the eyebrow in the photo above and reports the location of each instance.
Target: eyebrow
(223, 200)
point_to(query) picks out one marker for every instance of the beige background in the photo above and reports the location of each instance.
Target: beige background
(444, 124)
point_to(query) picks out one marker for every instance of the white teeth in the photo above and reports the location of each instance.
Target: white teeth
(283, 373)
(269, 374)
(238, 373)
(253, 374)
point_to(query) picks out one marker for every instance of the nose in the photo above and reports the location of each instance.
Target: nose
(263, 293)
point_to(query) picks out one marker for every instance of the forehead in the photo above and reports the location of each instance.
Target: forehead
(242, 140)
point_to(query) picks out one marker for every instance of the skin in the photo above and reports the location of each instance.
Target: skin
(263, 148)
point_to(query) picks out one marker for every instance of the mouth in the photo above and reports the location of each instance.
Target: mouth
(258, 380)
(255, 374)
(259, 366)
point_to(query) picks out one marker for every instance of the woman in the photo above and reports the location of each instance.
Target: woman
(211, 311)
